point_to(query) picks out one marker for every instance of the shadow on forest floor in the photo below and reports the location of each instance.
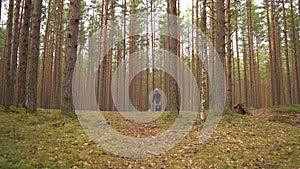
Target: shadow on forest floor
(267, 139)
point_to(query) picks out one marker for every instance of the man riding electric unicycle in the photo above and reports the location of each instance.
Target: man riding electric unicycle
(156, 101)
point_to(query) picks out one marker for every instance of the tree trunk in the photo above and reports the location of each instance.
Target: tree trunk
(15, 45)
(109, 60)
(124, 56)
(103, 51)
(251, 56)
(33, 59)
(45, 72)
(205, 53)
(172, 26)
(132, 50)
(58, 58)
(294, 50)
(7, 58)
(286, 47)
(0, 9)
(213, 40)
(258, 82)
(153, 46)
(246, 93)
(220, 32)
(239, 100)
(273, 90)
(275, 55)
(147, 61)
(67, 107)
(23, 54)
(229, 57)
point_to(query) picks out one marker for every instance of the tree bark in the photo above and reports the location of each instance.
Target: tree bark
(246, 93)
(67, 107)
(15, 45)
(32, 68)
(273, 90)
(132, 49)
(109, 60)
(58, 57)
(7, 58)
(220, 30)
(229, 57)
(253, 85)
(23, 54)
(172, 26)
(45, 90)
(286, 47)
(276, 56)
(205, 77)
(294, 50)
(239, 100)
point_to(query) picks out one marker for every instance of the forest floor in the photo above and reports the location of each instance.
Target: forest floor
(269, 138)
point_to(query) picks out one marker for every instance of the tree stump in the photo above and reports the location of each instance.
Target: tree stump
(240, 109)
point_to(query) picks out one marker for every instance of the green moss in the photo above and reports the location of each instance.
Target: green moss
(48, 139)
(287, 108)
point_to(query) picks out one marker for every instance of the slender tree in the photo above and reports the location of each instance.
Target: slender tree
(7, 58)
(253, 85)
(273, 90)
(238, 52)
(294, 53)
(205, 79)
(0, 9)
(58, 57)
(212, 39)
(46, 70)
(15, 44)
(246, 93)
(276, 55)
(286, 50)
(229, 57)
(109, 61)
(67, 107)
